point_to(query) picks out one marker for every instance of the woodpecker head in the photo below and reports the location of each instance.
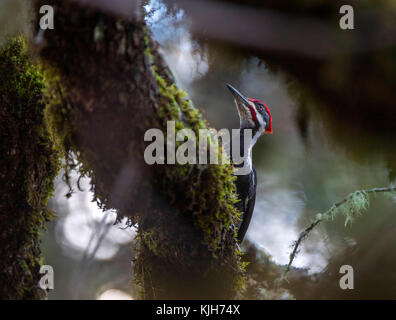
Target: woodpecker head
(253, 114)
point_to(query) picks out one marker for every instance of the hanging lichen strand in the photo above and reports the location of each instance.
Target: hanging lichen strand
(28, 166)
(117, 87)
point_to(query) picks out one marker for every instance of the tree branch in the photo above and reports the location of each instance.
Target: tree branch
(353, 204)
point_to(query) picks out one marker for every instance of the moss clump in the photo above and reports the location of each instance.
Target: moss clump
(57, 114)
(29, 163)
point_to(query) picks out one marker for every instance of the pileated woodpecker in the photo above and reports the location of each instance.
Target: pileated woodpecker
(253, 115)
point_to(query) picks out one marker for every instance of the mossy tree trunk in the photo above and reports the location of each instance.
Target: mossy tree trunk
(114, 85)
(29, 163)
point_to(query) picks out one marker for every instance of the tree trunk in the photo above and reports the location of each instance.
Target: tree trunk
(113, 85)
(29, 163)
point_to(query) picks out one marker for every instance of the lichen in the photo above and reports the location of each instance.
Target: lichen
(29, 162)
(354, 207)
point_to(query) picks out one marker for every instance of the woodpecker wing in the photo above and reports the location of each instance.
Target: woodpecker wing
(246, 189)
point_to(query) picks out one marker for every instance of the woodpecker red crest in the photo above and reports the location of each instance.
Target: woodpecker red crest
(259, 104)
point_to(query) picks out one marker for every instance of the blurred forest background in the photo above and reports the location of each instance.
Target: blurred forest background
(331, 95)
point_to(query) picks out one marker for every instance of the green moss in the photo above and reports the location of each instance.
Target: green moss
(57, 112)
(29, 162)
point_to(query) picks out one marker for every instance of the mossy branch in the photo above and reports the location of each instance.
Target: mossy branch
(351, 206)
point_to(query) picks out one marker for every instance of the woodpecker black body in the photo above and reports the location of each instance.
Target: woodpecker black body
(255, 116)
(246, 190)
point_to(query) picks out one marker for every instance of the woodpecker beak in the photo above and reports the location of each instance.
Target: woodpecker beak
(243, 105)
